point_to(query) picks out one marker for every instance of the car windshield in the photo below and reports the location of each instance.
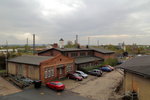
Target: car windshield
(76, 75)
(80, 72)
(59, 83)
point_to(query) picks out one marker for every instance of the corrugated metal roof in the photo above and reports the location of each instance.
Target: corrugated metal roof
(80, 60)
(138, 65)
(29, 59)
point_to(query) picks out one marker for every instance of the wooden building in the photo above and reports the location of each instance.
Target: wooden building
(137, 76)
(43, 68)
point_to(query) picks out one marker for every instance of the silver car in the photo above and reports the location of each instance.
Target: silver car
(82, 74)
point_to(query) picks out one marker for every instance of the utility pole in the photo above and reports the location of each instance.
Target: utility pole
(33, 44)
(27, 46)
(6, 57)
(88, 41)
(98, 43)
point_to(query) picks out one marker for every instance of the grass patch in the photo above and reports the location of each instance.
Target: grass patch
(2, 71)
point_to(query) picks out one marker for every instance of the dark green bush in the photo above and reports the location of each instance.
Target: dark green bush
(110, 61)
(88, 68)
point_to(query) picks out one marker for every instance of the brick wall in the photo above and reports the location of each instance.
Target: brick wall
(55, 62)
(51, 52)
(104, 56)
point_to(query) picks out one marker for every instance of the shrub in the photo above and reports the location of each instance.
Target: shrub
(110, 61)
(88, 68)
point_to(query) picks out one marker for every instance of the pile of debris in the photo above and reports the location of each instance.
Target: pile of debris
(20, 81)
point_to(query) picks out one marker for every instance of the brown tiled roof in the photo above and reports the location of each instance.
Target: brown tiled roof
(29, 59)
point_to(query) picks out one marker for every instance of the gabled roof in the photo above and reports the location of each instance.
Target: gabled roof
(79, 60)
(102, 50)
(138, 65)
(29, 59)
(80, 49)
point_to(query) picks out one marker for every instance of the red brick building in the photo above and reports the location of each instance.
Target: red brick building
(43, 68)
(83, 56)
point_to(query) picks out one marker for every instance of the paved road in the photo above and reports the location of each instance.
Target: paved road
(43, 94)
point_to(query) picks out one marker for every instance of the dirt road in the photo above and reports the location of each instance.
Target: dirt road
(98, 88)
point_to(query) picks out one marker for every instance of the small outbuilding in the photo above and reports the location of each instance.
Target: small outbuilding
(45, 68)
(137, 76)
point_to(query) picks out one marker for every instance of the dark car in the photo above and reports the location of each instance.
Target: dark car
(105, 69)
(95, 72)
(55, 85)
(75, 76)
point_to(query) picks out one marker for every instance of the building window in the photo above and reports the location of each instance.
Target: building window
(83, 54)
(90, 53)
(60, 71)
(46, 74)
(49, 72)
(74, 54)
(69, 68)
(65, 54)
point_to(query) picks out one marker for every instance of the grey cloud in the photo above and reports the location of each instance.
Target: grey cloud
(97, 17)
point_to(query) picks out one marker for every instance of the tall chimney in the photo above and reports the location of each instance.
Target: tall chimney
(76, 39)
(88, 41)
(33, 44)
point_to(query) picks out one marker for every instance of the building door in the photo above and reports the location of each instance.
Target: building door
(60, 72)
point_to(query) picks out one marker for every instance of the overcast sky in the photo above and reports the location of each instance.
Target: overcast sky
(109, 21)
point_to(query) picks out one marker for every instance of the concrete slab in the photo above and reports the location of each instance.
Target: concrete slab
(7, 88)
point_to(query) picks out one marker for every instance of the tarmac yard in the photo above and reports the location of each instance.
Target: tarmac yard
(93, 88)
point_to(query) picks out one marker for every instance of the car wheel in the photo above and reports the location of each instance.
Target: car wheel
(46, 85)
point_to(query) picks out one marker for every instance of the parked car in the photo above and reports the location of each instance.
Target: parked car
(75, 76)
(56, 85)
(82, 74)
(95, 72)
(105, 69)
(110, 67)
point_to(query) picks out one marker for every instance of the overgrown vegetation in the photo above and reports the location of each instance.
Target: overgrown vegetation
(88, 68)
(110, 61)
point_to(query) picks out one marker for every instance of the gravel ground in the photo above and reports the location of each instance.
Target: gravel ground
(97, 88)
(7, 88)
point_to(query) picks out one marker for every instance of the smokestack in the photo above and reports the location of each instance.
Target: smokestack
(27, 41)
(76, 39)
(33, 44)
(98, 43)
(88, 41)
